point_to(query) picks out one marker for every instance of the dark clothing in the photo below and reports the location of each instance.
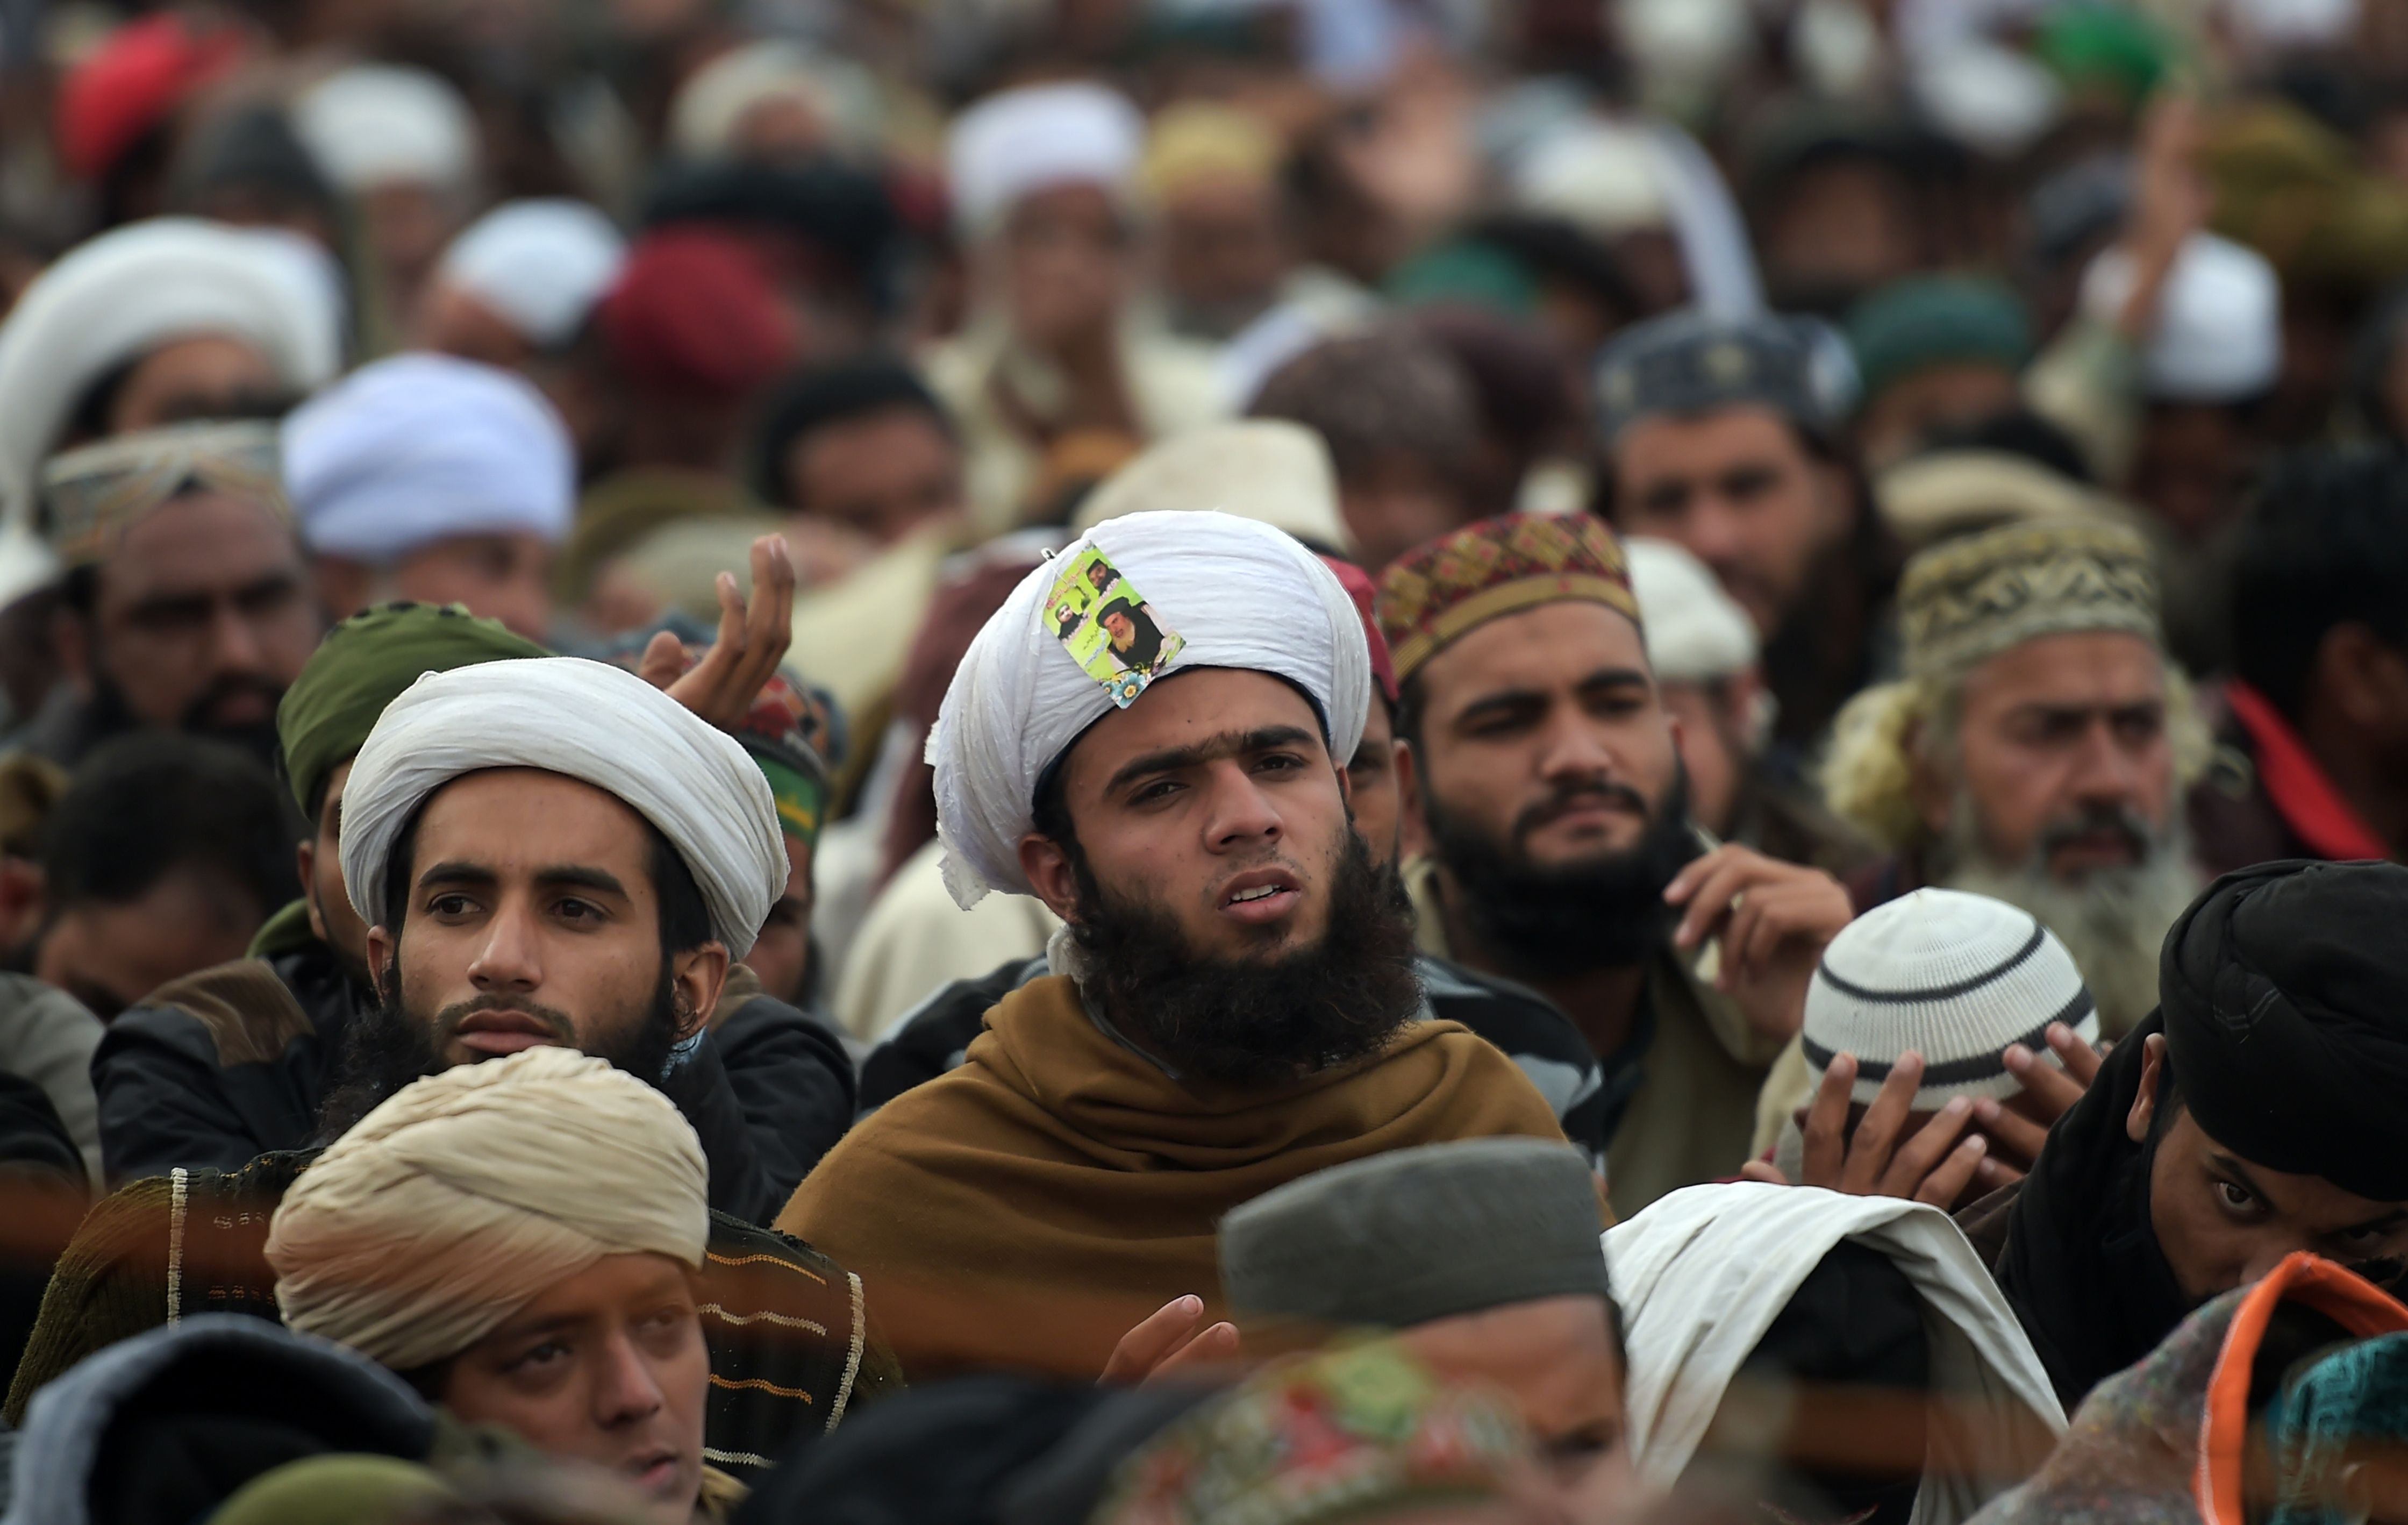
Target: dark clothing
(1524, 1025)
(217, 1067)
(42, 1192)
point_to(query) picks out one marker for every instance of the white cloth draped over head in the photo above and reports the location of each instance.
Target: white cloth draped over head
(589, 721)
(1018, 143)
(539, 265)
(420, 448)
(380, 124)
(1238, 594)
(469, 1194)
(1702, 1273)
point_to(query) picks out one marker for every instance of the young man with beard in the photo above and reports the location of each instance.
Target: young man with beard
(1547, 771)
(1233, 990)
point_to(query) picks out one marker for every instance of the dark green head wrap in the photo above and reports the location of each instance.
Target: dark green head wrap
(1936, 320)
(363, 664)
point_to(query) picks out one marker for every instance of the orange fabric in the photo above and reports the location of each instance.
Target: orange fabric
(2346, 1298)
(1028, 1208)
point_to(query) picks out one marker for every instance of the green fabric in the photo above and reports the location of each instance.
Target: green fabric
(361, 666)
(287, 931)
(802, 797)
(339, 1489)
(2097, 44)
(1467, 273)
(1924, 321)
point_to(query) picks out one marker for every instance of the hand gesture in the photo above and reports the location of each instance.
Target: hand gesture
(2019, 1125)
(1168, 1343)
(1774, 919)
(752, 639)
(1877, 1159)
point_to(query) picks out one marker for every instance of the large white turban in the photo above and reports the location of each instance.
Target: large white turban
(588, 721)
(424, 447)
(540, 264)
(1238, 594)
(379, 124)
(466, 1195)
(1018, 143)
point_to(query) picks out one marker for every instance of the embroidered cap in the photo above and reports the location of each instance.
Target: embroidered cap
(1440, 590)
(1965, 601)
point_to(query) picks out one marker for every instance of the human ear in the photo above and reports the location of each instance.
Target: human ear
(381, 946)
(1050, 873)
(2144, 1106)
(696, 976)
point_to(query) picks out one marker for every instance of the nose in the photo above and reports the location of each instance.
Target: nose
(234, 645)
(1570, 748)
(625, 1390)
(507, 960)
(2105, 773)
(1712, 533)
(1240, 814)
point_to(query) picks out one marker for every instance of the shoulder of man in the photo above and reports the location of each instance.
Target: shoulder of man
(243, 1011)
(934, 1036)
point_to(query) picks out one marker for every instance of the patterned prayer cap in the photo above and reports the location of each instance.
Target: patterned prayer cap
(91, 496)
(1442, 589)
(1968, 600)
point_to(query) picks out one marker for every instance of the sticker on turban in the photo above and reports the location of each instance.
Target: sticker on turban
(1108, 628)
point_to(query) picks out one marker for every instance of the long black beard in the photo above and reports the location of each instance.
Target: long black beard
(110, 715)
(1257, 1022)
(1545, 923)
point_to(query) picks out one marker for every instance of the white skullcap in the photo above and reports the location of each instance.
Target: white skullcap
(2218, 336)
(1270, 470)
(712, 106)
(1238, 594)
(114, 299)
(539, 265)
(1036, 138)
(466, 1195)
(589, 721)
(376, 124)
(1603, 178)
(1959, 979)
(1695, 630)
(421, 448)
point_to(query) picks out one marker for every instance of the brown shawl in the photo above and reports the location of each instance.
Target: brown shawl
(1027, 1208)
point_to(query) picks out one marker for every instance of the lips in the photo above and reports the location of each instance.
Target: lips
(655, 1473)
(502, 1032)
(1264, 894)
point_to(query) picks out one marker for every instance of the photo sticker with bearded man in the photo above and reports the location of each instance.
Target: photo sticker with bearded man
(1108, 628)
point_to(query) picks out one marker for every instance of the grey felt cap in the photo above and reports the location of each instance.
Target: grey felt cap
(1417, 1234)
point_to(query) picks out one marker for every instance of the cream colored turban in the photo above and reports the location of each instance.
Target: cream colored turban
(467, 1194)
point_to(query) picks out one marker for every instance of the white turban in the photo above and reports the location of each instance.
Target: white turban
(1696, 632)
(712, 106)
(424, 447)
(114, 299)
(376, 124)
(539, 265)
(1037, 138)
(467, 1194)
(2218, 334)
(589, 721)
(1238, 594)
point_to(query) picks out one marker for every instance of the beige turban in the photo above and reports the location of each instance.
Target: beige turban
(466, 1194)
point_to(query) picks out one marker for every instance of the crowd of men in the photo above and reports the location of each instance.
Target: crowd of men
(1153, 763)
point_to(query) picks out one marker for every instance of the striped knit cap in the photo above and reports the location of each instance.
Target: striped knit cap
(1956, 978)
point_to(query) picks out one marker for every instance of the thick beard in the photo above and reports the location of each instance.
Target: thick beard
(2113, 922)
(111, 715)
(1257, 1022)
(388, 1045)
(1546, 922)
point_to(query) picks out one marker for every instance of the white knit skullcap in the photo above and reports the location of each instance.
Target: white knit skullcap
(466, 1195)
(540, 264)
(2218, 331)
(1696, 632)
(1018, 143)
(1959, 979)
(378, 124)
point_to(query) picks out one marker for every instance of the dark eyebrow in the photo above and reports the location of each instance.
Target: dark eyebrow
(458, 871)
(1210, 749)
(2240, 1173)
(577, 876)
(1507, 699)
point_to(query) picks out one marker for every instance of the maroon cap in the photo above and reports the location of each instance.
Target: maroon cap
(693, 313)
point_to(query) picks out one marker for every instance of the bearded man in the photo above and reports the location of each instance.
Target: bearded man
(2036, 749)
(1233, 991)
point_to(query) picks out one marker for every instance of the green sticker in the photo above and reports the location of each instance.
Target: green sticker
(1108, 628)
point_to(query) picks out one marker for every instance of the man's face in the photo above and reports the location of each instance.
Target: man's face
(1555, 1357)
(1371, 780)
(499, 577)
(453, 320)
(207, 376)
(202, 616)
(1933, 399)
(1223, 252)
(781, 954)
(607, 1367)
(1067, 268)
(2062, 755)
(2191, 466)
(109, 957)
(332, 916)
(1841, 228)
(1099, 576)
(1738, 491)
(1123, 632)
(2224, 1222)
(884, 473)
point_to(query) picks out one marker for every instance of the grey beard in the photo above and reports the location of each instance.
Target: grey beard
(2113, 922)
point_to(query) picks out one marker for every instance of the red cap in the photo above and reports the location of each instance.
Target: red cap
(132, 82)
(1358, 584)
(695, 314)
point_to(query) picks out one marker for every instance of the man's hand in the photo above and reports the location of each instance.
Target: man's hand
(1167, 1342)
(752, 642)
(1774, 919)
(2019, 1126)
(1934, 1166)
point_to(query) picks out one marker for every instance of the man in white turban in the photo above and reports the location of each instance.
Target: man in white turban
(519, 1239)
(519, 284)
(1232, 996)
(434, 480)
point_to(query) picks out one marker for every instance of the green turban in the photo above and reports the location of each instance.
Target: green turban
(1926, 321)
(363, 664)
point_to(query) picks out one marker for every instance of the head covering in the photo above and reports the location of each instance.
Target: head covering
(1688, 363)
(588, 721)
(420, 448)
(1444, 588)
(2282, 991)
(1206, 143)
(339, 1488)
(1359, 587)
(1360, 1432)
(693, 313)
(784, 731)
(1605, 179)
(1418, 1234)
(1037, 138)
(1936, 320)
(1956, 978)
(1268, 470)
(467, 1194)
(1696, 632)
(133, 82)
(365, 664)
(1964, 602)
(1239, 594)
(379, 124)
(539, 265)
(2218, 334)
(710, 107)
(91, 496)
(1945, 495)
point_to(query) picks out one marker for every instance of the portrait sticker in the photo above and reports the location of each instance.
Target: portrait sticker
(1108, 628)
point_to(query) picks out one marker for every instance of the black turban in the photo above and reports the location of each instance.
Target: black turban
(2284, 989)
